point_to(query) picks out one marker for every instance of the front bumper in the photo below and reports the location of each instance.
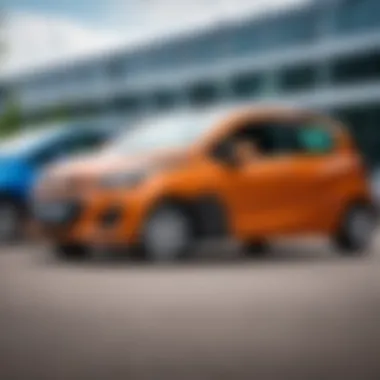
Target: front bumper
(114, 220)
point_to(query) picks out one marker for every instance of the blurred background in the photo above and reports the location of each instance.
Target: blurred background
(301, 313)
(119, 60)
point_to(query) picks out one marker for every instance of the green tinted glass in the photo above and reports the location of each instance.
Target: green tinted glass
(315, 140)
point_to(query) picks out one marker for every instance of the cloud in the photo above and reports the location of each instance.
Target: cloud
(32, 39)
(139, 19)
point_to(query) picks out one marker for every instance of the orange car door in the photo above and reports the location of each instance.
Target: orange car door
(290, 190)
(268, 190)
(261, 194)
(305, 175)
(283, 191)
(318, 170)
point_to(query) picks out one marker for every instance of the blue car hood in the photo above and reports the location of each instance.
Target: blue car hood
(15, 174)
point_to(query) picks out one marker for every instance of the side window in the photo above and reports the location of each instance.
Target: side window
(286, 139)
(315, 139)
(257, 138)
(223, 150)
(276, 139)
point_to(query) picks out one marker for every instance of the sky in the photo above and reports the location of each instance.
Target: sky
(40, 31)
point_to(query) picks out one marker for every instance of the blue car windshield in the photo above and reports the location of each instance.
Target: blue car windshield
(29, 141)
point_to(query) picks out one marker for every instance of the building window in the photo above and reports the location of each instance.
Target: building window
(128, 104)
(164, 99)
(247, 85)
(116, 67)
(291, 29)
(297, 78)
(356, 68)
(246, 38)
(363, 123)
(356, 15)
(203, 94)
(204, 48)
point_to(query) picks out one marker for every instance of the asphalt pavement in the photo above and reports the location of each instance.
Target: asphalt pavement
(303, 312)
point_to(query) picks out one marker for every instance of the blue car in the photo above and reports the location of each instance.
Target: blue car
(22, 159)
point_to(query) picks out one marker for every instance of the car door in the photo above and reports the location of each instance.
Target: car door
(260, 194)
(317, 170)
(269, 186)
(290, 187)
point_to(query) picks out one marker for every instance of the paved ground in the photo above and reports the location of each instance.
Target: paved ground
(301, 313)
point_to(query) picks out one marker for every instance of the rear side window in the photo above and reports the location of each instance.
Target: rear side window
(315, 139)
(282, 139)
(299, 138)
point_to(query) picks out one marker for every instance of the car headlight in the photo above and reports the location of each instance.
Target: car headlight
(128, 179)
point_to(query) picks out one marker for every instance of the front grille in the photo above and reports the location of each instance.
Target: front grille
(58, 212)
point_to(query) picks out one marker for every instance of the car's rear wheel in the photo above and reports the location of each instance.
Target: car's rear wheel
(167, 234)
(356, 230)
(71, 251)
(10, 221)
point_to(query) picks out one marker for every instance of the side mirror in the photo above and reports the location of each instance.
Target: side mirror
(224, 153)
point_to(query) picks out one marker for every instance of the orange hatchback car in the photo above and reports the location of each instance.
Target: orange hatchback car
(251, 175)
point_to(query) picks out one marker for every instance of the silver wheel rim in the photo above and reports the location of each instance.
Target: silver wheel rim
(361, 227)
(8, 221)
(166, 235)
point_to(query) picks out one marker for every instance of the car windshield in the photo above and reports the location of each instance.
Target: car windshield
(166, 133)
(28, 141)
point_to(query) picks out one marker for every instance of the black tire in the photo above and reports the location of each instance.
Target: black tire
(11, 221)
(355, 231)
(172, 245)
(256, 249)
(71, 252)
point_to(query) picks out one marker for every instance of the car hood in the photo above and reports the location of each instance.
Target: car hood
(97, 165)
(14, 172)
(9, 160)
(11, 166)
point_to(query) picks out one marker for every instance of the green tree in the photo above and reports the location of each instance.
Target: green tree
(59, 114)
(10, 112)
(10, 117)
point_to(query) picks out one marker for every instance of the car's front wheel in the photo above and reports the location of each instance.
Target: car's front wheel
(167, 234)
(356, 230)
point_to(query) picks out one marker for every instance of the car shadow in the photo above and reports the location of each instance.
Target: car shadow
(215, 256)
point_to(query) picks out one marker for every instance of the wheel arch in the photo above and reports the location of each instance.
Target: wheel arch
(358, 200)
(206, 213)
